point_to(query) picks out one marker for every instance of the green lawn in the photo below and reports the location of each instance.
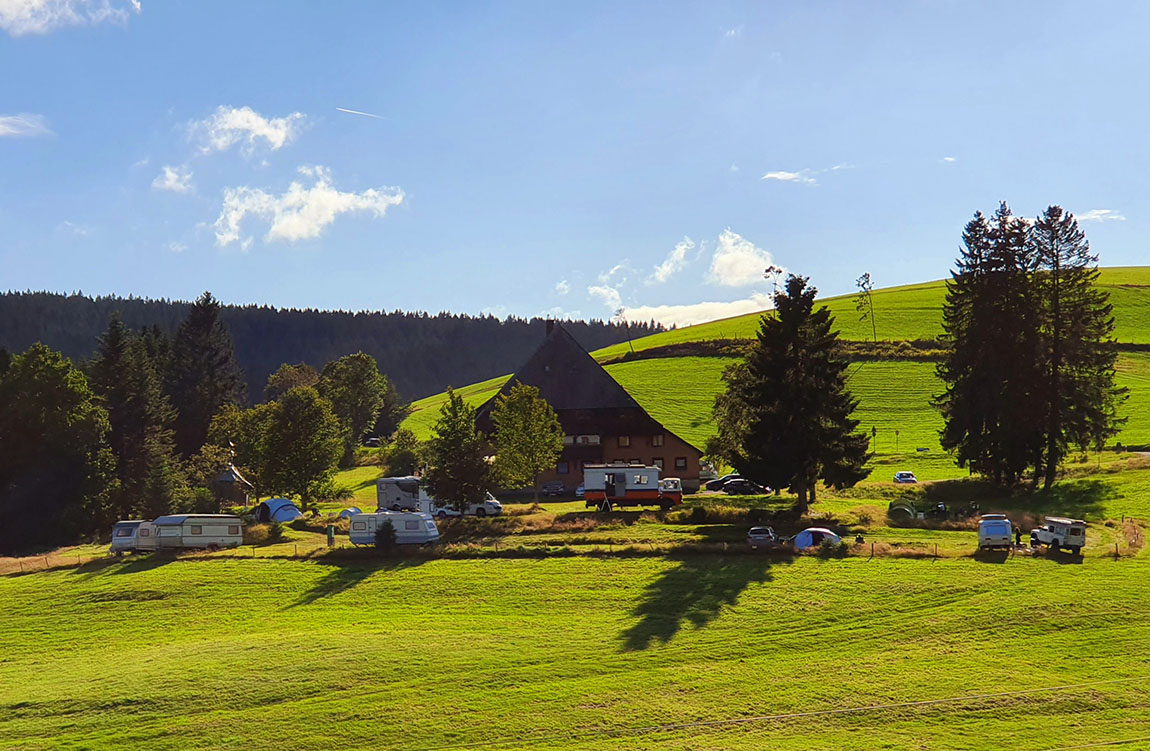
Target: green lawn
(572, 653)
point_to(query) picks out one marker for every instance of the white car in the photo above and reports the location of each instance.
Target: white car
(905, 477)
(489, 507)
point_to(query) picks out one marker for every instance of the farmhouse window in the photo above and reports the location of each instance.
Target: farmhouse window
(410, 524)
(658, 462)
(197, 530)
(680, 462)
(657, 440)
(587, 440)
(233, 529)
(624, 441)
(563, 468)
(359, 525)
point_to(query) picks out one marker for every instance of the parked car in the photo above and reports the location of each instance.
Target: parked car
(1059, 532)
(489, 507)
(552, 489)
(579, 491)
(762, 537)
(902, 477)
(718, 483)
(995, 531)
(739, 486)
(707, 472)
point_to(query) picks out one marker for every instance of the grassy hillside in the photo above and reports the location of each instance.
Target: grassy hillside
(913, 312)
(574, 653)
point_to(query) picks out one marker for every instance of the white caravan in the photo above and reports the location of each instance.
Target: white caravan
(995, 531)
(411, 527)
(400, 494)
(133, 537)
(182, 531)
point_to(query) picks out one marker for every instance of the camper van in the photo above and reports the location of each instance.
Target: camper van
(609, 485)
(995, 531)
(133, 537)
(211, 531)
(400, 494)
(411, 527)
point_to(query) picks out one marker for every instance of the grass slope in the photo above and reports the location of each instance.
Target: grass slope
(565, 653)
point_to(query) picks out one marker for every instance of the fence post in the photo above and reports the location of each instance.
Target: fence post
(936, 550)
(253, 551)
(872, 549)
(46, 557)
(21, 565)
(296, 553)
(1115, 551)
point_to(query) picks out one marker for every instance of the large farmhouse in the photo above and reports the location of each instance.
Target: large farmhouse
(602, 422)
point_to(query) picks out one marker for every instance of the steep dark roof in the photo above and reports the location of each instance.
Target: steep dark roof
(586, 397)
(568, 378)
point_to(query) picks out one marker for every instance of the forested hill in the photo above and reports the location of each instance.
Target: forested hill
(421, 353)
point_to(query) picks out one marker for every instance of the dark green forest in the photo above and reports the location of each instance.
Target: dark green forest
(420, 353)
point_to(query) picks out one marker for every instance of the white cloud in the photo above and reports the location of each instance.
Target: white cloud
(606, 275)
(1100, 215)
(732, 33)
(25, 124)
(231, 125)
(176, 247)
(563, 287)
(949, 160)
(19, 17)
(674, 262)
(689, 315)
(175, 179)
(737, 262)
(803, 177)
(302, 212)
(734, 167)
(608, 295)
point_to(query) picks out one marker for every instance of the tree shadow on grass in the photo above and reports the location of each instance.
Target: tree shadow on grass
(695, 591)
(1079, 497)
(344, 576)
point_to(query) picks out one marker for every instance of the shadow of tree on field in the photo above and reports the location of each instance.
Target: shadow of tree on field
(1075, 497)
(694, 591)
(344, 576)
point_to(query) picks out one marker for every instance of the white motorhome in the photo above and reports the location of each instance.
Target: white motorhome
(400, 494)
(133, 536)
(183, 531)
(995, 531)
(1059, 532)
(411, 527)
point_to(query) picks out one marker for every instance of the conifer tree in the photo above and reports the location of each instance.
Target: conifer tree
(1078, 392)
(785, 417)
(139, 416)
(203, 376)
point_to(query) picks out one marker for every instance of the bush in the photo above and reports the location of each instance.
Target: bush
(385, 538)
(275, 532)
(828, 548)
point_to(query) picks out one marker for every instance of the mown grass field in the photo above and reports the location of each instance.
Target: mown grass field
(576, 653)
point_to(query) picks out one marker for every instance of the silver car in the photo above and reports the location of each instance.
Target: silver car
(762, 537)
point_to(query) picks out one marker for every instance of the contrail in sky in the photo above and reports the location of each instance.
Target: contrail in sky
(357, 112)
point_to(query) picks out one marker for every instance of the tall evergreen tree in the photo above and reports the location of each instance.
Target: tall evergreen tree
(139, 415)
(991, 366)
(458, 472)
(785, 417)
(1078, 353)
(203, 376)
(56, 470)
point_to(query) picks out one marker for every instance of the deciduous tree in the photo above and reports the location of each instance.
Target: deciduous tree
(528, 437)
(301, 446)
(356, 390)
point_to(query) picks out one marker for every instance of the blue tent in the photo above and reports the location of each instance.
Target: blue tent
(277, 510)
(349, 512)
(813, 537)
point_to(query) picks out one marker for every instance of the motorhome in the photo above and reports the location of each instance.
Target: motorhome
(133, 536)
(994, 531)
(411, 527)
(1059, 532)
(608, 485)
(400, 494)
(211, 531)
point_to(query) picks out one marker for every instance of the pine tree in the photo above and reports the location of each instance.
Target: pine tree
(528, 437)
(458, 472)
(785, 417)
(1078, 353)
(203, 376)
(125, 379)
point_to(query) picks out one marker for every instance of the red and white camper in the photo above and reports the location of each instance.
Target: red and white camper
(608, 485)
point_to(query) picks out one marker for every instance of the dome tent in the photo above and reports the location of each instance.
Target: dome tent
(812, 537)
(277, 510)
(349, 512)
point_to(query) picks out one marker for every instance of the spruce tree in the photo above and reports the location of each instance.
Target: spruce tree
(203, 376)
(1078, 392)
(125, 379)
(785, 417)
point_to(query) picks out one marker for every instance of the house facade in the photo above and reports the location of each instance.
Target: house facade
(601, 422)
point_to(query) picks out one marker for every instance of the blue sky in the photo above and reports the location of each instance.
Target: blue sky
(532, 158)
